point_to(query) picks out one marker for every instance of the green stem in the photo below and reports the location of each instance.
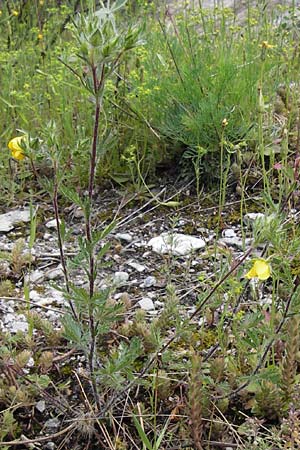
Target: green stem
(92, 172)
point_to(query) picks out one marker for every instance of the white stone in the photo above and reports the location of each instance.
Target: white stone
(51, 224)
(120, 278)
(48, 297)
(41, 406)
(229, 233)
(55, 273)
(146, 304)
(127, 237)
(52, 424)
(37, 276)
(9, 220)
(30, 362)
(232, 242)
(148, 282)
(15, 323)
(250, 218)
(78, 213)
(139, 267)
(176, 244)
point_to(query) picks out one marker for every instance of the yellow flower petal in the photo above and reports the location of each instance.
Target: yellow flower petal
(17, 154)
(263, 270)
(15, 147)
(251, 273)
(260, 269)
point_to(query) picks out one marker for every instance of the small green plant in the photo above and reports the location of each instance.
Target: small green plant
(101, 47)
(290, 359)
(196, 393)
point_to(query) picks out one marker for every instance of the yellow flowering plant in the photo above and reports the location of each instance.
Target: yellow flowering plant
(261, 269)
(16, 146)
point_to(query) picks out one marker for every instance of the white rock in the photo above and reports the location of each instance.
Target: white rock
(8, 318)
(146, 304)
(148, 282)
(5, 247)
(50, 446)
(250, 218)
(19, 326)
(140, 244)
(120, 278)
(51, 224)
(30, 362)
(41, 406)
(52, 424)
(127, 237)
(37, 276)
(18, 323)
(175, 243)
(78, 213)
(235, 242)
(34, 295)
(229, 233)
(48, 297)
(55, 273)
(139, 267)
(9, 220)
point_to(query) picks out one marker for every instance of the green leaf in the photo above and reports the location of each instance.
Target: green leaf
(33, 217)
(73, 196)
(103, 250)
(170, 204)
(8, 104)
(118, 5)
(72, 329)
(142, 434)
(42, 381)
(161, 435)
(107, 230)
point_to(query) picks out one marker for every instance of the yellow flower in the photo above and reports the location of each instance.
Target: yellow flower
(40, 36)
(266, 45)
(15, 13)
(224, 123)
(17, 151)
(260, 269)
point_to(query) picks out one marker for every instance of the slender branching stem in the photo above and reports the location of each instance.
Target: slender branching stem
(92, 172)
(60, 242)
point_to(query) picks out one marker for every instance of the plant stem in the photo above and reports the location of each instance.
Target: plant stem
(60, 242)
(89, 237)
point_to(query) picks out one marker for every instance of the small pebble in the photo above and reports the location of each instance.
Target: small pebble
(120, 278)
(148, 282)
(52, 424)
(41, 406)
(146, 304)
(139, 267)
(51, 224)
(124, 237)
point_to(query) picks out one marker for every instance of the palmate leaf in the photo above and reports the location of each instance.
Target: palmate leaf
(119, 365)
(72, 330)
(8, 425)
